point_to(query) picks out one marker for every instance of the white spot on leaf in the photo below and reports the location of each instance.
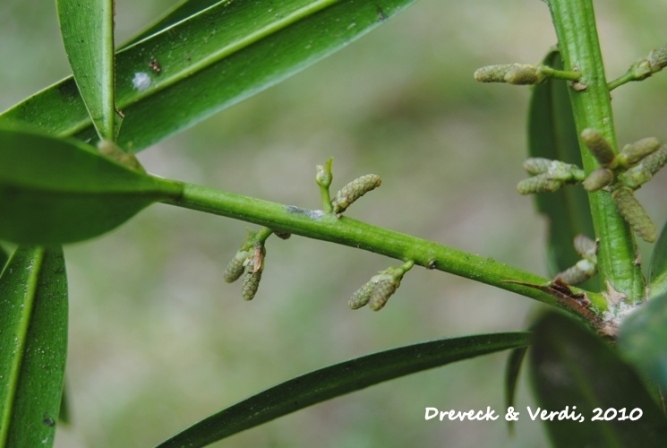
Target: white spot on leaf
(141, 81)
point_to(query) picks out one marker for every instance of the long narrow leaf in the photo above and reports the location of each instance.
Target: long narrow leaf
(571, 367)
(552, 134)
(57, 191)
(642, 339)
(512, 371)
(181, 11)
(658, 269)
(33, 346)
(87, 32)
(202, 65)
(340, 379)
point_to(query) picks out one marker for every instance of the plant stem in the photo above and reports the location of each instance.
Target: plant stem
(578, 42)
(624, 79)
(560, 74)
(647, 66)
(263, 234)
(324, 178)
(327, 227)
(109, 88)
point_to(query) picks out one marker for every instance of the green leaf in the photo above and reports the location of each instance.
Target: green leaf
(571, 367)
(657, 274)
(33, 300)
(340, 379)
(3, 258)
(87, 32)
(552, 134)
(642, 339)
(208, 62)
(512, 370)
(57, 191)
(180, 11)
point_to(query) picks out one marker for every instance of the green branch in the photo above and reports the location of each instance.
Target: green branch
(578, 42)
(323, 226)
(655, 61)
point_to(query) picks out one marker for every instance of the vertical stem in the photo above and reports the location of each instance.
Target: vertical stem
(109, 88)
(578, 41)
(324, 178)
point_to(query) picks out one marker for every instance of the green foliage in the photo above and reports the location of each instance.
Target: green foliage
(203, 56)
(512, 371)
(33, 299)
(88, 37)
(158, 78)
(571, 367)
(642, 340)
(340, 379)
(58, 191)
(182, 11)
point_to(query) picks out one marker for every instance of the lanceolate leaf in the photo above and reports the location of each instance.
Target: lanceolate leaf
(33, 346)
(658, 269)
(552, 134)
(572, 367)
(512, 371)
(642, 339)
(87, 31)
(57, 191)
(181, 11)
(340, 379)
(202, 65)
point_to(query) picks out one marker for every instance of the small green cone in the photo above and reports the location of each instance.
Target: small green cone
(634, 152)
(492, 73)
(353, 191)
(518, 74)
(654, 162)
(523, 74)
(598, 179)
(635, 177)
(635, 214)
(538, 184)
(643, 172)
(657, 59)
(598, 146)
(380, 287)
(250, 284)
(382, 291)
(578, 273)
(361, 296)
(537, 165)
(254, 266)
(235, 267)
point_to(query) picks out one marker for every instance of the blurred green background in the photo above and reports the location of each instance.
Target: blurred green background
(158, 340)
